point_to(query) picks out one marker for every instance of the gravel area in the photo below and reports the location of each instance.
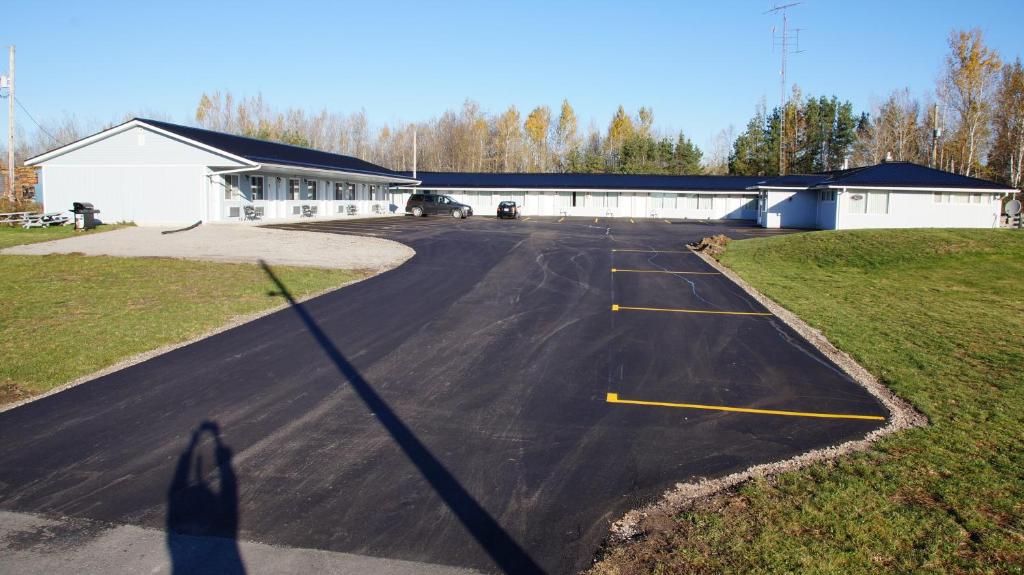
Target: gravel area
(229, 243)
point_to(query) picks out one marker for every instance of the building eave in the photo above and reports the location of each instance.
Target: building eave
(135, 123)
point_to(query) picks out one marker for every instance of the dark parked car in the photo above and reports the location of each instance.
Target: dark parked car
(430, 204)
(508, 209)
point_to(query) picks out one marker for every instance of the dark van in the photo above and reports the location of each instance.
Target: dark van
(430, 204)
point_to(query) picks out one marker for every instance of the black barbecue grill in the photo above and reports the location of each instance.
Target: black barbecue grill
(85, 215)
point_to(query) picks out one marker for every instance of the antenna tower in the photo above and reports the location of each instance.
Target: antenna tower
(788, 42)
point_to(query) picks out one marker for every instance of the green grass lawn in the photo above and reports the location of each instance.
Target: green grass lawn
(13, 236)
(937, 316)
(65, 316)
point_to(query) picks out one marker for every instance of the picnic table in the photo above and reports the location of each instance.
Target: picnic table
(45, 220)
(14, 218)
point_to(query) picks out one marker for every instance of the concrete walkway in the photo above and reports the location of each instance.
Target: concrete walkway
(30, 544)
(230, 243)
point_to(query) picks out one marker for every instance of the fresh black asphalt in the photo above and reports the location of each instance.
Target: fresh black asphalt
(450, 411)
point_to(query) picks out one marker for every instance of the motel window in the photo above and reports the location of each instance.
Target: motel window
(689, 201)
(256, 188)
(373, 193)
(231, 187)
(310, 189)
(827, 195)
(878, 202)
(705, 202)
(613, 199)
(293, 189)
(484, 198)
(339, 191)
(564, 199)
(961, 198)
(350, 192)
(869, 202)
(938, 197)
(660, 201)
(596, 200)
(975, 198)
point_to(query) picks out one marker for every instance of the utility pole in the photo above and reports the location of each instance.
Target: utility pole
(936, 134)
(414, 153)
(784, 40)
(10, 127)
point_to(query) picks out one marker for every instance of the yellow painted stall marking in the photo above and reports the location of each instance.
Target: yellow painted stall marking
(614, 398)
(631, 221)
(560, 220)
(655, 251)
(667, 222)
(595, 220)
(617, 307)
(617, 270)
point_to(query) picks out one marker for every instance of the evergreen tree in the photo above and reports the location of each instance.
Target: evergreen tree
(687, 157)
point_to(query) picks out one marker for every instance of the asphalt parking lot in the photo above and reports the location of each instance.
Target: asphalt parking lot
(494, 403)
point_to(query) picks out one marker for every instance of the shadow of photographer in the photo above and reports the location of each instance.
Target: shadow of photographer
(202, 507)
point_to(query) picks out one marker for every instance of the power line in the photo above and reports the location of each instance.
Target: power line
(41, 128)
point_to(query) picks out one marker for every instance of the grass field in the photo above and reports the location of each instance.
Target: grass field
(15, 236)
(937, 316)
(65, 316)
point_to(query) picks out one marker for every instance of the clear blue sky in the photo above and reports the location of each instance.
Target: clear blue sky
(700, 65)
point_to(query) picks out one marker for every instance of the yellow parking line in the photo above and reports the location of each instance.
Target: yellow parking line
(631, 221)
(617, 270)
(654, 251)
(667, 222)
(614, 398)
(617, 307)
(526, 218)
(595, 220)
(560, 220)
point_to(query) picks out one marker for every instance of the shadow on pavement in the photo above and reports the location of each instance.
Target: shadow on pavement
(202, 518)
(499, 545)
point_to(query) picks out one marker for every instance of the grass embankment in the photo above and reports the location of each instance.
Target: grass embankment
(936, 315)
(65, 316)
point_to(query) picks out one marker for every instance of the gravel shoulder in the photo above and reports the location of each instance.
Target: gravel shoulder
(227, 243)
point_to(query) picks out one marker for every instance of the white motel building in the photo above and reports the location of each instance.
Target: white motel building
(157, 173)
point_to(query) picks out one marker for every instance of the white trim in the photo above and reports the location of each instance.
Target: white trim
(125, 127)
(232, 171)
(903, 189)
(334, 174)
(603, 190)
(766, 188)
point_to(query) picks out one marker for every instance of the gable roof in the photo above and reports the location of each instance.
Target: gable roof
(249, 149)
(534, 181)
(906, 175)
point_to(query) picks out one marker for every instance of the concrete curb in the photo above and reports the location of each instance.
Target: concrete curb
(685, 495)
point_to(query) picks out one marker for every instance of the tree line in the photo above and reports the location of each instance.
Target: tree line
(978, 105)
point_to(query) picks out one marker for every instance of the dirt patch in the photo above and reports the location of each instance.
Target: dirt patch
(713, 246)
(10, 393)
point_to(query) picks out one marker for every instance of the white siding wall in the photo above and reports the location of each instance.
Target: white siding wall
(919, 210)
(604, 204)
(138, 175)
(791, 209)
(140, 194)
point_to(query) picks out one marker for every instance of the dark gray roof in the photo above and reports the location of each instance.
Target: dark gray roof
(262, 151)
(470, 180)
(886, 175)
